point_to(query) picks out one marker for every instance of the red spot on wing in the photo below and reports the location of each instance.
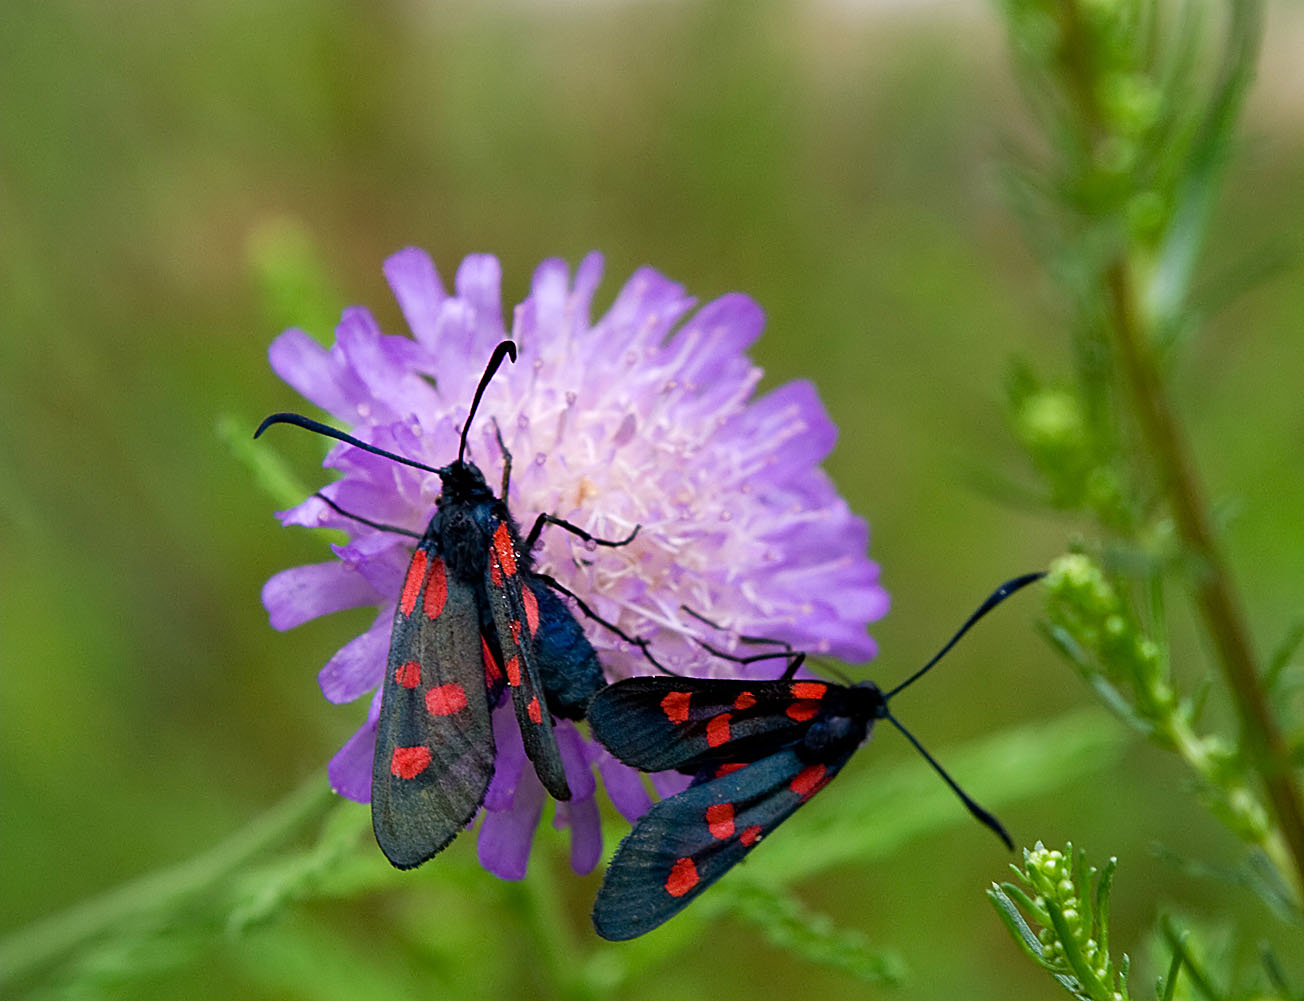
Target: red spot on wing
(445, 700)
(802, 710)
(536, 712)
(409, 762)
(745, 700)
(729, 767)
(412, 583)
(492, 673)
(408, 675)
(504, 549)
(495, 575)
(720, 820)
(675, 706)
(436, 589)
(717, 729)
(513, 666)
(682, 878)
(516, 633)
(531, 604)
(751, 835)
(809, 781)
(808, 690)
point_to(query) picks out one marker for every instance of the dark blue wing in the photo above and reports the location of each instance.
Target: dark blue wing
(434, 741)
(685, 843)
(660, 723)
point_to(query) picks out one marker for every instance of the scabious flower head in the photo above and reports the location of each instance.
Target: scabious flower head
(645, 417)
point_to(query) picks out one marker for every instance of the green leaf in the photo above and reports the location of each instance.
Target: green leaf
(1177, 939)
(1167, 985)
(1103, 889)
(1011, 915)
(1283, 653)
(788, 924)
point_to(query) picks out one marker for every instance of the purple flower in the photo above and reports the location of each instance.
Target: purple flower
(644, 417)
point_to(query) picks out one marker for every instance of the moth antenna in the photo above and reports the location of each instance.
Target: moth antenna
(308, 424)
(994, 599)
(985, 818)
(503, 349)
(380, 526)
(495, 360)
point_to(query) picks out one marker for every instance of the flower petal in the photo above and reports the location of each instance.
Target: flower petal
(350, 769)
(415, 281)
(625, 788)
(643, 313)
(506, 835)
(294, 596)
(383, 368)
(574, 751)
(479, 283)
(379, 559)
(359, 665)
(580, 814)
(510, 762)
(668, 783)
(318, 374)
(785, 433)
(712, 342)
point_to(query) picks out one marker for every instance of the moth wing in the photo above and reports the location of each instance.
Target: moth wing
(434, 740)
(568, 664)
(659, 723)
(685, 843)
(515, 611)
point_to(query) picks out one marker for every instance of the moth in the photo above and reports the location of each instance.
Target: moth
(757, 750)
(474, 621)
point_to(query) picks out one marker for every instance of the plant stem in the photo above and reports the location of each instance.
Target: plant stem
(1217, 602)
(1218, 606)
(155, 894)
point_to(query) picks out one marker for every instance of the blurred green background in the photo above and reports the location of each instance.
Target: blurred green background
(841, 164)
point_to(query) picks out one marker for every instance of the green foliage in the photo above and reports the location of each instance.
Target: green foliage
(156, 236)
(1069, 901)
(1139, 102)
(787, 924)
(233, 892)
(1097, 632)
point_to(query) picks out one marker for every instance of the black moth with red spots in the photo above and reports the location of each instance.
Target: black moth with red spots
(756, 751)
(473, 621)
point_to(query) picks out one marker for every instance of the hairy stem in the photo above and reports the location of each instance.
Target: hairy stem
(1219, 608)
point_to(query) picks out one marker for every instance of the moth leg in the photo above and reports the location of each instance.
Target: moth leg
(644, 645)
(507, 460)
(795, 658)
(550, 519)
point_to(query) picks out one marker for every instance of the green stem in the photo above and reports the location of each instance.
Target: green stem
(42, 944)
(1218, 606)
(1239, 806)
(1215, 598)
